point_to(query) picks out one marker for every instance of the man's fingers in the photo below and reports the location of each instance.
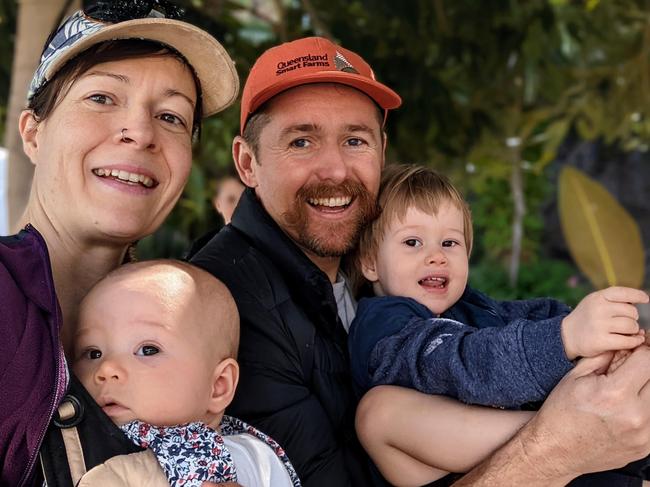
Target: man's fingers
(621, 294)
(592, 365)
(635, 371)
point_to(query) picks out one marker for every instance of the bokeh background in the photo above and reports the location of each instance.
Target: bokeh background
(499, 94)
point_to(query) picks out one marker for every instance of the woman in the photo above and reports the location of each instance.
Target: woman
(112, 111)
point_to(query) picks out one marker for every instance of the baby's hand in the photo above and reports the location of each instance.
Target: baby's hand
(604, 320)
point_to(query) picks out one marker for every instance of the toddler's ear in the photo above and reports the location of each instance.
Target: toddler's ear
(368, 269)
(224, 383)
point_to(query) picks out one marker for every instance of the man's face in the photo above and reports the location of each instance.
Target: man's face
(318, 165)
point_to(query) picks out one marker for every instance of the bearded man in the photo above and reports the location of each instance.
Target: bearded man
(310, 152)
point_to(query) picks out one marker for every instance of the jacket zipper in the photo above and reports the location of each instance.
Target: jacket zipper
(57, 360)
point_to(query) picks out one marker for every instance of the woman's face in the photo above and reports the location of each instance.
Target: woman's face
(91, 181)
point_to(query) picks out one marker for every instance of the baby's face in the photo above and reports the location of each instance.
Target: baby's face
(140, 356)
(423, 257)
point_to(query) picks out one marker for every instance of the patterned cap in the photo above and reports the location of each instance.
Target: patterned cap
(210, 61)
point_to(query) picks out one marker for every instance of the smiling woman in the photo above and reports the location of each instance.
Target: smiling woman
(112, 112)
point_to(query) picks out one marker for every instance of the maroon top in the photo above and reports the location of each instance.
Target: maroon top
(33, 375)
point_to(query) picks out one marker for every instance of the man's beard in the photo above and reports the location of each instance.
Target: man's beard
(330, 239)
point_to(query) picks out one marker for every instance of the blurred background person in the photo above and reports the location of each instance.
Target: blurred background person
(226, 196)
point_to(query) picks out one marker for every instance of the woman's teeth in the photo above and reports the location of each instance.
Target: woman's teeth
(126, 176)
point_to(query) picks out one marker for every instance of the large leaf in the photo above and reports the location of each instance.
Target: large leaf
(603, 238)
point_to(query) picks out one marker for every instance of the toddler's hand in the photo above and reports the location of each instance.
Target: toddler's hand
(604, 320)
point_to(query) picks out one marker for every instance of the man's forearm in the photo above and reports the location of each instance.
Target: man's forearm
(524, 461)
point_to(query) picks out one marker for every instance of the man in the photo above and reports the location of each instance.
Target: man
(311, 153)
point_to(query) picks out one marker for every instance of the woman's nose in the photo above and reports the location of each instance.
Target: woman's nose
(139, 132)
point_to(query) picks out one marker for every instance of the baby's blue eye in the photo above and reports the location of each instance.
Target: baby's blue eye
(146, 350)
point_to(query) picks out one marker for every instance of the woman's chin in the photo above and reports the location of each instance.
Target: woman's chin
(124, 231)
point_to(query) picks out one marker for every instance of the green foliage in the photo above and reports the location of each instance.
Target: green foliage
(541, 278)
(491, 205)
(488, 87)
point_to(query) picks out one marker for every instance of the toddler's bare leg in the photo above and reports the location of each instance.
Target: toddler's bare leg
(416, 438)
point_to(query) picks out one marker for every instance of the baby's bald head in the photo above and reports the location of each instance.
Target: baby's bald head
(197, 301)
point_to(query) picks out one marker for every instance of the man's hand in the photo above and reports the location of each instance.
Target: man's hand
(593, 422)
(597, 418)
(604, 321)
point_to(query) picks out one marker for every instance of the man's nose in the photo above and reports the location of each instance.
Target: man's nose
(332, 165)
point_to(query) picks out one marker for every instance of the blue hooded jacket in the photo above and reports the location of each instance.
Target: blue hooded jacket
(480, 351)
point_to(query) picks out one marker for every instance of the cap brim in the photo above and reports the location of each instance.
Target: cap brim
(208, 58)
(381, 94)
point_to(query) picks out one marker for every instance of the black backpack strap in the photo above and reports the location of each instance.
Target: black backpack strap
(80, 437)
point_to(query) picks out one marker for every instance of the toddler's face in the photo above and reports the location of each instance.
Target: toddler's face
(423, 257)
(140, 356)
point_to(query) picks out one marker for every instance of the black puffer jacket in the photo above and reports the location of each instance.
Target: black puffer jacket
(295, 382)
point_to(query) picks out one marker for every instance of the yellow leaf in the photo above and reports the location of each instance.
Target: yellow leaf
(603, 238)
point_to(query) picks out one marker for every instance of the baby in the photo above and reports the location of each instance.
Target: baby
(156, 347)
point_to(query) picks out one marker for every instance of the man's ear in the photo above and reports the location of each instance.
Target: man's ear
(369, 268)
(245, 161)
(28, 128)
(224, 383)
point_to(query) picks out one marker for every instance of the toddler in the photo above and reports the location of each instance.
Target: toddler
(427, 330)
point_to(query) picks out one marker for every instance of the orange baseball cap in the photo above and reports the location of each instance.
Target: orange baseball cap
(310, 60)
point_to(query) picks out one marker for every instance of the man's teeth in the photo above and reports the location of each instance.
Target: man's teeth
(331, 202)
(122, 175)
